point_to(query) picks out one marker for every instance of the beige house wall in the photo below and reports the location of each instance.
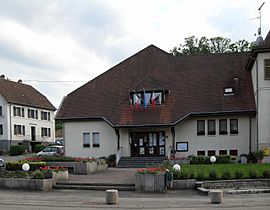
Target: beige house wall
(73, 138)
(186, 131)
(262, 95)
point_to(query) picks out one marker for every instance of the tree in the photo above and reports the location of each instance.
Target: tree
(202, 46)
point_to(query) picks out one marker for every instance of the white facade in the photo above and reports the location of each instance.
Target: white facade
(73, 139)
(185, 131)
(23, 127)
(242, 142)
(261, 88)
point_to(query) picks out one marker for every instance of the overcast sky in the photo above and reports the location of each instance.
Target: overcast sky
(45, 42)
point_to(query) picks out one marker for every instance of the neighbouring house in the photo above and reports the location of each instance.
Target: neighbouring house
(26, 116)
(155, 104)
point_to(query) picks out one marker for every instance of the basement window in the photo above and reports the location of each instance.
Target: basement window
(228, 91)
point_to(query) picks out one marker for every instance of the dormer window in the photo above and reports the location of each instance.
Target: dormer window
(147, 98)
(228, 91)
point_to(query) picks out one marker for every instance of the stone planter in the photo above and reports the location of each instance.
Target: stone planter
(26, 184)
(59, 175)
(184, 184)
(81, 167)
(150, 183)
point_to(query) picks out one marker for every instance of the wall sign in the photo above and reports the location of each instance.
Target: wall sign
(181, 146)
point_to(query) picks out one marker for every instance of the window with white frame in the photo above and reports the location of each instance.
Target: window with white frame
(96, 140)
(211, 127)
(200, 127)
(233, 126)
(33, 113)
(19, 130)
(86, 139)
(223, 127)
(18, 111)
(45, 115)
(45, 132)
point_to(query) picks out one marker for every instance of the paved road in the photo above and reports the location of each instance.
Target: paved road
(71, 199)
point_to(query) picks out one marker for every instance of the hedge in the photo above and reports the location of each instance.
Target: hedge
(223, 171)
(17, 165)
(16, 150)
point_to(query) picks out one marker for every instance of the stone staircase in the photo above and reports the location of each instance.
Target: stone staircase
(140, 162)
(93, 186)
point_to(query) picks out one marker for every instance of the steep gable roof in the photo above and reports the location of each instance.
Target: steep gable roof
(195, 85)
(19, 93)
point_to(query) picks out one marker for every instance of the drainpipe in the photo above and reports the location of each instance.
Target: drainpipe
(250, 133)
(173, 140)
(257, 101)
(10, 126)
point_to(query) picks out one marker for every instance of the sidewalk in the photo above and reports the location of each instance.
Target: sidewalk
(70, 199)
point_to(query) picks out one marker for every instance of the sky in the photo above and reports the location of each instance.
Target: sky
(58, 45)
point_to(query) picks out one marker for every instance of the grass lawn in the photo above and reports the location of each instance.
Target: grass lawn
(223, 171)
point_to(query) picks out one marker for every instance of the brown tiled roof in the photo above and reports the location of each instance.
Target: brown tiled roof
(195, 84)
(19, 93)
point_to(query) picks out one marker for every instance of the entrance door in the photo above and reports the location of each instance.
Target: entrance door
(147, 144)
(33, 133)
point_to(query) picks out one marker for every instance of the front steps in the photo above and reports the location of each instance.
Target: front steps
(140, 162)
(93, 186)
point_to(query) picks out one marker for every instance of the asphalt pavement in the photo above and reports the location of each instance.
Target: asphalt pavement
(76, 199)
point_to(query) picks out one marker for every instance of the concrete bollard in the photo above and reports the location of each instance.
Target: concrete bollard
(216, 196)
(112, 197)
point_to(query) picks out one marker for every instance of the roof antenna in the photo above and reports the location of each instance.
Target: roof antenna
(259, 40)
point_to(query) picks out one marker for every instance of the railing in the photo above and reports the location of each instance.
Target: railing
(119, 154)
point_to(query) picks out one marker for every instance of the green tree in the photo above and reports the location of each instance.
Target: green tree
(204, 45)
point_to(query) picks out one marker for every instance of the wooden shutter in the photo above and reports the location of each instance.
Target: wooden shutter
(267, 69)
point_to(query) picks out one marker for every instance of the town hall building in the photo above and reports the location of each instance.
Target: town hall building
(154, 104)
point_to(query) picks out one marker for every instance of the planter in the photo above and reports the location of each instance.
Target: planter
(150, 182)
(81, 167)
(60, 175)
(184, 184)
(26, 184)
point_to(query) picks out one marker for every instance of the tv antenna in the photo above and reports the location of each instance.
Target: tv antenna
(260, 17)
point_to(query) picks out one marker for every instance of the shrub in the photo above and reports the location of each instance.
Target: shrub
(37, 175)
(212, 175)
(223, 159)
(17, 165)
(253, 174)
(57, 159)
(111, 160)
(266, 174)
(184, 175)
(200, 176)
(17, 174)
(199, 160)
(39, 147)
(226, 175)
(252, 157)
(16, 150)
(238, 174)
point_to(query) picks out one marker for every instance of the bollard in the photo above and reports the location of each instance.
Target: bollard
(216, 196)
(112, 197)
